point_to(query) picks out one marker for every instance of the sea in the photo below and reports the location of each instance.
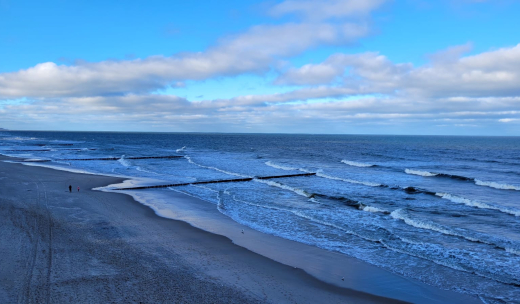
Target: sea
(444, 210)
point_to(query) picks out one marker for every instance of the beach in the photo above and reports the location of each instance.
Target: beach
(90, 246)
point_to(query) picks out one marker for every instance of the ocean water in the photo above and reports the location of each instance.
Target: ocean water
(443, 210)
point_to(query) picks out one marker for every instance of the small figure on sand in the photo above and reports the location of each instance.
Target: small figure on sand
(78, 188)
(70, 188)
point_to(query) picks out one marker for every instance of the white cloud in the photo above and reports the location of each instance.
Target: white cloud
(260, 113)
(506, 120)
(251, 52)
(378, 91)
(493, 73)
(345, 90)
(367, 72)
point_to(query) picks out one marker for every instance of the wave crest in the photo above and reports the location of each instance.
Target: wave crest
(471, 203)
(421, 173)
(282, 186)
(320, 174)
(497, 185)
(271, 164)
(123, 161)
(374, 209)
(356, 164)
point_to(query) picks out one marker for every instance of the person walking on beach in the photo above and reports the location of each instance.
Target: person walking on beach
(70, 188)
(78, 188)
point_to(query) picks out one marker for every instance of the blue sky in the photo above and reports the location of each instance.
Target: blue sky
(448, 67)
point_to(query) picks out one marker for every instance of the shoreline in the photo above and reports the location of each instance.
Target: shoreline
(258, 267)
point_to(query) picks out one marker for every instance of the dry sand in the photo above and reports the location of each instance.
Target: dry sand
(98, 247)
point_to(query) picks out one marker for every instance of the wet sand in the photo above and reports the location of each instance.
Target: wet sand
(98, 247)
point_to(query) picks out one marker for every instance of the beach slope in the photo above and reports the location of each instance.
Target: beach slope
(96, 247)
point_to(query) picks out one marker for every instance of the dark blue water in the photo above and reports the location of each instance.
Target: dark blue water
(444, 210)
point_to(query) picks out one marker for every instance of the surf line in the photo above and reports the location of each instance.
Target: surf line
(247, 179)
(118, 158)
(103, 158)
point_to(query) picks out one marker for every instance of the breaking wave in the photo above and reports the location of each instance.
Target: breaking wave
(321, 174)
(464, 178)
(497, 185)
(214, 168)
(356, 164)
(374, 209)
(282, 186)
(271, 164)
(421, 173)
(471, 203)
(123, 161)
(401, 214)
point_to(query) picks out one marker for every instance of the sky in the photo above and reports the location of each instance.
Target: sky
(405, 67)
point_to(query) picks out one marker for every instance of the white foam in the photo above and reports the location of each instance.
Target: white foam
(400, 214)
(19, 138)
(316, 220)
(271, 164)
(213, 168)
(481, 297)
(513, 251)
(294, 212)
(62, 162)
(497, 185)
(282, 186)
(320, 174)
(356, 164)
(254, 204)
(315, 201)
(138, 168)
(181, 149)
(374, 209)
(472, 203)
(442, 262)
(421, 173)
(123, 161)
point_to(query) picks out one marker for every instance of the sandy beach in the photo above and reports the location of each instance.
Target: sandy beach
(99, 247)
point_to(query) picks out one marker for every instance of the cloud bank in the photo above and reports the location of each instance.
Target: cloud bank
(347, 92)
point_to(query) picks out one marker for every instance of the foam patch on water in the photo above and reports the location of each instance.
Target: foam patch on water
(420, 173)
(214, 168)
(18, 138)
(181, 149)
(374, 209)
(271, 164)
(356, 164)
(497, 185)
(282, 186)
(321, 174)
(124, 162)
(513, 251)
(401, 214)
(472, 203)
